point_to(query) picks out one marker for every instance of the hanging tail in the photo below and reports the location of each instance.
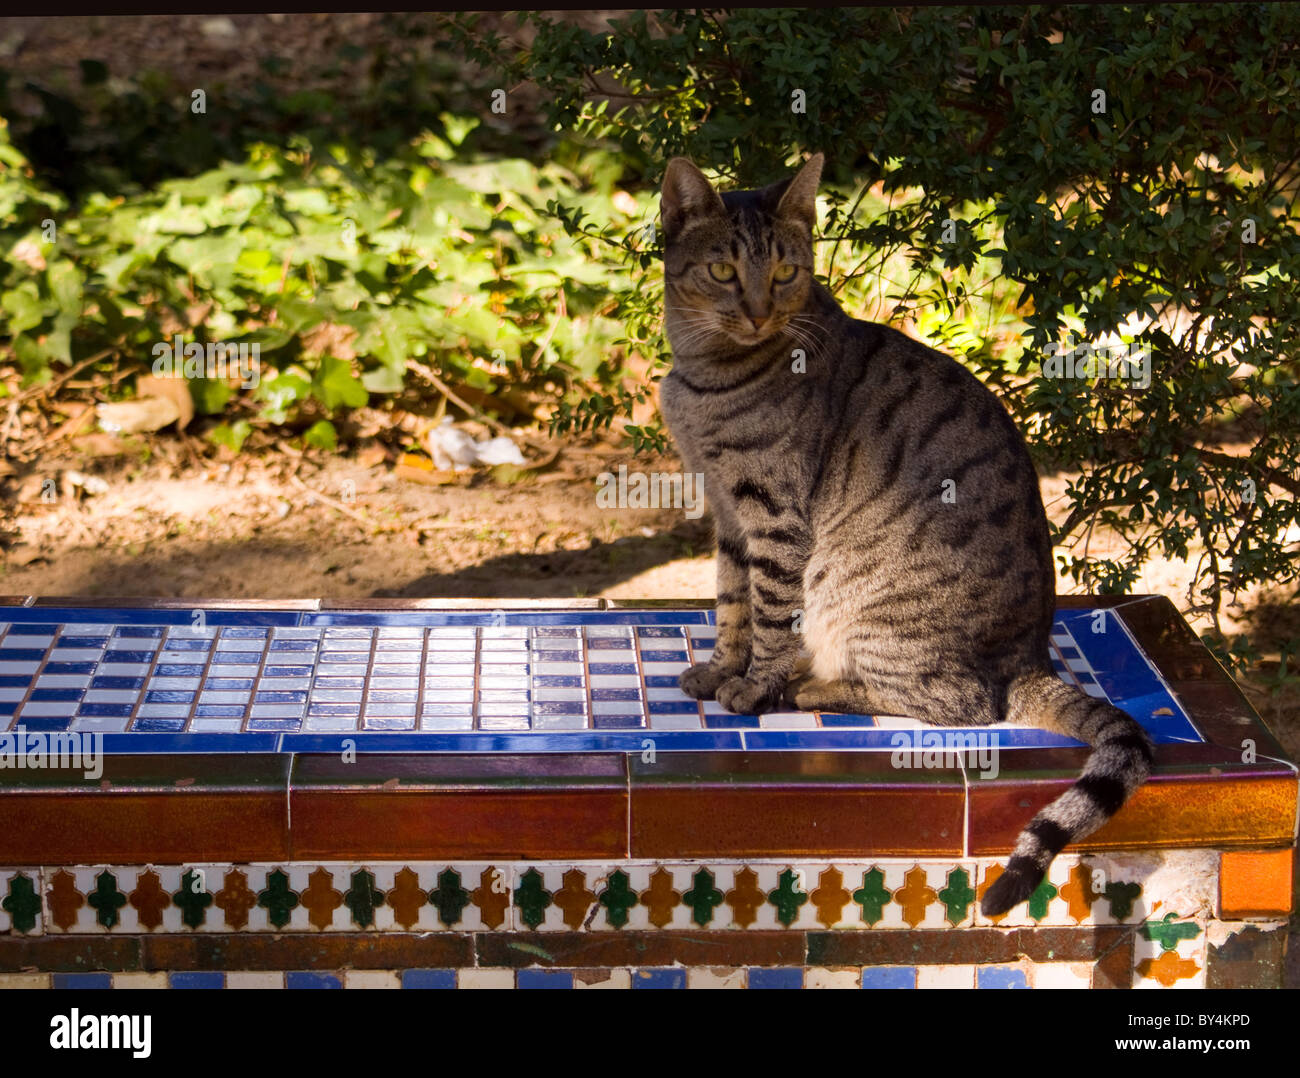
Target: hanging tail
(1119, 764)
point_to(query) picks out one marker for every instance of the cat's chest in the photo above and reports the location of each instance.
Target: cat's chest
(728, 435)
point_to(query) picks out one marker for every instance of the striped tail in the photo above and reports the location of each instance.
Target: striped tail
(1119, 764)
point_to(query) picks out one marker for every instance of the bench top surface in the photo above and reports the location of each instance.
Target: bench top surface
(266, 677)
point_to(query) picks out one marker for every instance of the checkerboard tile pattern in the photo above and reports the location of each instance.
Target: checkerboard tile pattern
(585, 681)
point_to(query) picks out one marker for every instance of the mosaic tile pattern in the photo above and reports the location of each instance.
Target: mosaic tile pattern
(446, 680)
(629, 896)
(1130, 920)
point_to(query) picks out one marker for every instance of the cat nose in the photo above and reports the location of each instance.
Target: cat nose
(758, 320)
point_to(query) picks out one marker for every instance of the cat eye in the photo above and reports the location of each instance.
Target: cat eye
(784, 272)
(722, 271)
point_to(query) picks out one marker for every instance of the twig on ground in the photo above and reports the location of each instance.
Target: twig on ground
(332, 503)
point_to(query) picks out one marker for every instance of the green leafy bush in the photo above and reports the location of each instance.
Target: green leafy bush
(1003, 177)
(342, 266)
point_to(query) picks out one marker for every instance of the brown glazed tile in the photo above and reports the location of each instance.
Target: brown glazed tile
(166, 808)
(459, 806)
(564, 949)
(1169, 811)
(1167, 639)
(1205, 689)
(967, 946)
(975, 946)
(1114, 968)
(70, 954)
(258, 951)
(1253, 958)
(16, 600)
(1070, 944)
(790, 804)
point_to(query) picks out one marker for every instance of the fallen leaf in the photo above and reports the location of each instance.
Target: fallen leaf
(133, 417)
(176, 390)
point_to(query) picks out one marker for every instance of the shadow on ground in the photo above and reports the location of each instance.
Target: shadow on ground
(385, 567)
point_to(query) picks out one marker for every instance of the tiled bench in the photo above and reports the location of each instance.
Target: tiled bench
(441, 793)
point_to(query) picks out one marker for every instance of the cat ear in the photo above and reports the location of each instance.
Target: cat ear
(799, 202)
(687, 193)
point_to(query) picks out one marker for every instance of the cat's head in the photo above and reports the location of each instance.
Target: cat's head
(736, 265)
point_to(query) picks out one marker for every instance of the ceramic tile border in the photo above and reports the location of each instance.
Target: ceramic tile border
(602, 897)
(1018, 975)
(1171, 953)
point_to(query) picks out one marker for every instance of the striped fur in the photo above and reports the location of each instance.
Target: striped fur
(874, 504)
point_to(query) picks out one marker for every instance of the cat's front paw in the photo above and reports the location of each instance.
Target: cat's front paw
(744, 696)
(701, 681)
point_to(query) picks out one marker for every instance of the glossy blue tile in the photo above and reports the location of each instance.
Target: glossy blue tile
(56, 695)
(1001, 977)
(109, 681)
(830, 720)
(615, 694)
(776, 977)
(70, 668)
(889, 977)
(46, 724)
(428, 978)
(558, 681)
(659, 978)
(189, 742)
(617, 722)
(173, 669)
(544, 978)
(282, 725)
(159, 726)
(201, 979)
(83, 981)
(662, 681)
(730, 722)
(312, 979)
(121, 711)
(168, 696)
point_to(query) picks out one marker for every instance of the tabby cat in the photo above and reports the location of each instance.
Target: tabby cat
(876, 486)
